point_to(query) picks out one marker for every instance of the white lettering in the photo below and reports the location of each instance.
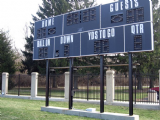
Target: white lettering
(43, 43)
(96, 34)
(121, 5)
(72, 38)
(108, 33)
(141, 28)
(92, 35)
(113, 32)
(104, 33)
(45, 23)
(48, 42)
(61, 41)
(64, 40)
(52, 21)
(138, 28)
(136, 3)
(89, 34)
(40, 43)
(37, 43)
(116, 7)
(49, 22)
(100, 32)
(111, 7)
(133, 29)
(68, 39)
(126, 4)
(42, 23)
(131, 2)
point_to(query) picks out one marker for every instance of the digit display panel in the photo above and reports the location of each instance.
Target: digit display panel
(125, 12)
(43, 48)
(66, 46)
(118, 27)
(81, 21)
(136, 40)
(48, 28)
(103, 41)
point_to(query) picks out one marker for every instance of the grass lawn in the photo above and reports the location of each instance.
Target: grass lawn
(18, 109)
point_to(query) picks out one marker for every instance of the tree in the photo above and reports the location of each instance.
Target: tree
(7, 54)
(49, 8)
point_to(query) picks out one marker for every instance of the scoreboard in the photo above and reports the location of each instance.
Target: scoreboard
(118, 27)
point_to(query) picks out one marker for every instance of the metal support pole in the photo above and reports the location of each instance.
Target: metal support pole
(135, 87)
(87, 87)
(102, 85)
(130, 86)
(71, 84)
(19, 85)
(47, 83)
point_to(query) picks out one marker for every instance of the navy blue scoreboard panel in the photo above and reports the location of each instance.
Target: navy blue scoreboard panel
(118, 27)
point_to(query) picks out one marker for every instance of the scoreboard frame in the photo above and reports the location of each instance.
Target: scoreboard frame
(93, 34)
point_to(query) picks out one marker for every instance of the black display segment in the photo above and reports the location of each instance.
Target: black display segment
(43, 53)
(72, 18)
(135, 15)
(66, 50)
(117, 18)
(57, 53)
(85, 15)
(92, 14)
(138, 42)
(101, 46)
(52, 31)
(140, 14)
(97, 47)
(41, 33)
(89, 15)
(105, 45)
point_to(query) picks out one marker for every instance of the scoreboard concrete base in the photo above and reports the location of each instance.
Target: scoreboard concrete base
(104, 116)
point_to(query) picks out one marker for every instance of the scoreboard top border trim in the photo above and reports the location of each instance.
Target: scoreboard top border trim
(86, 9)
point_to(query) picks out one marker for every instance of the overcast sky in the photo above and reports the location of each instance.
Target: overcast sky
(16, 13)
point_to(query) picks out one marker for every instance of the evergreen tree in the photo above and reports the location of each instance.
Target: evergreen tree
(7, 54)
(49, 8)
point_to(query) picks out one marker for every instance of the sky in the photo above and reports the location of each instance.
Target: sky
(15, 14)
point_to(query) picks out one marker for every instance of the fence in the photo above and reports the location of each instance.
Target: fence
(19, 84)
(56, 85)
(141, 86)
(88, 86)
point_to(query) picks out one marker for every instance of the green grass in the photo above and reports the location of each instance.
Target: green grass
(18, 109)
